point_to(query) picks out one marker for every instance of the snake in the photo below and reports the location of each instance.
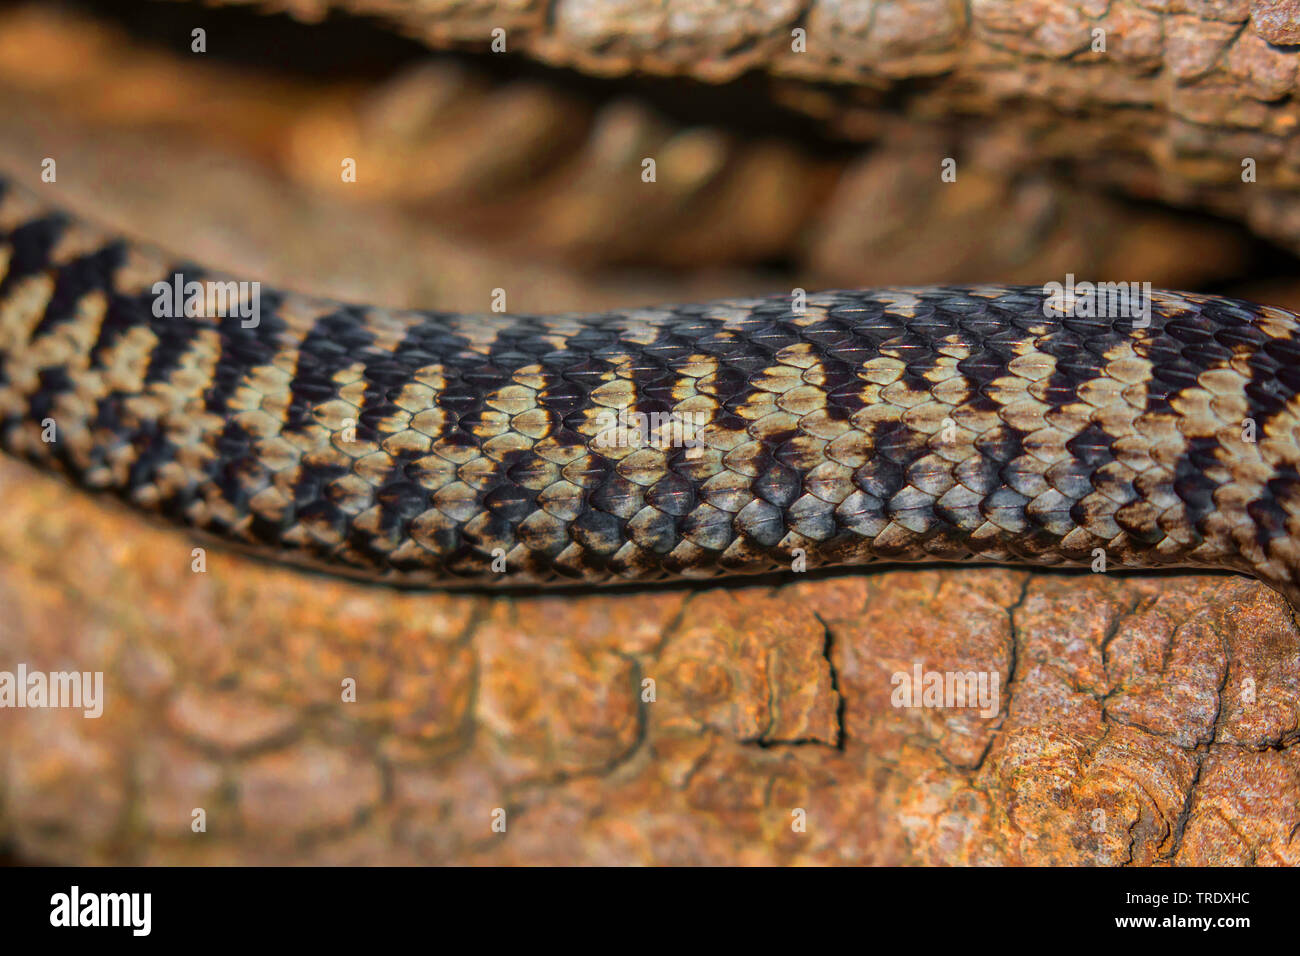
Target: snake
(985, 423)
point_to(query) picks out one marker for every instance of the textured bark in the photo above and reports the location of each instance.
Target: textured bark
(1183, 94)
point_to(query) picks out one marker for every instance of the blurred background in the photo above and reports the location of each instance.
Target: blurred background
(478, 171)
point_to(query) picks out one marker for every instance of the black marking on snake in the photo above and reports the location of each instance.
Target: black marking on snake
(31, 246)
(54, 382)
(92, 272)
(333, 344)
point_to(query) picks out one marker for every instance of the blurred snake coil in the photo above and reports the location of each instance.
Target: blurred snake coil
(423, 448)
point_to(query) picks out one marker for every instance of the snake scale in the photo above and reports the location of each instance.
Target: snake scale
(428, 448)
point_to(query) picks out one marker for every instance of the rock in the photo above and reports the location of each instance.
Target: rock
(1124, 718)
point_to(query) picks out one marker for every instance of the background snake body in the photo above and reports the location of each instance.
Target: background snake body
(754, 435)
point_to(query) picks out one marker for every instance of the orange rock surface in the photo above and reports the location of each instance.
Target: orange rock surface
(1138, 719)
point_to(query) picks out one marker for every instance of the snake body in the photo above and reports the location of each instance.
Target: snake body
(428, 448)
